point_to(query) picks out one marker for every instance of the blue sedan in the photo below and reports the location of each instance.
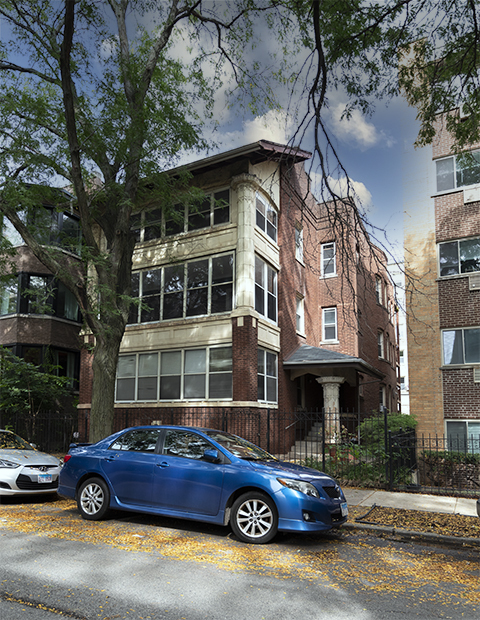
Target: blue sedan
(201, 474)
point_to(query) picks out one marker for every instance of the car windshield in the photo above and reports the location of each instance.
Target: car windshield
(239, 447)
(10, 441)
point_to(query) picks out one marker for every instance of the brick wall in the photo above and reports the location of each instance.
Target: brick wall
(461, 396)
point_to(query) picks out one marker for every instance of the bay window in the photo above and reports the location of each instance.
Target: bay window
(184, 374)
(266, 216)
(265, 289)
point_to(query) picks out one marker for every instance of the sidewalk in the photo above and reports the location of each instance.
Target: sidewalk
(411, 501)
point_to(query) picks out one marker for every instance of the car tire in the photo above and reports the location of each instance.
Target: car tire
(93, 499)
(254, 518)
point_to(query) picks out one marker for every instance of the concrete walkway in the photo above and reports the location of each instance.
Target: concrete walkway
(411, 501)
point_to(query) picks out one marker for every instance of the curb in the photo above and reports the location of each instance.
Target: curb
(410, 536)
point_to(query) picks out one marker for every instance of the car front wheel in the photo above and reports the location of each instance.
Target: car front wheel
(93, 499)
(254, 518)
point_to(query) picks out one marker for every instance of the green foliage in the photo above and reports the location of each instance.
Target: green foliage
(372, 430)
(27, 389)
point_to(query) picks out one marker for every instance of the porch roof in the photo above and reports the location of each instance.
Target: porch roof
(323, 362)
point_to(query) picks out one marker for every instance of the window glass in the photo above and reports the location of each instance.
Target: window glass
(8, 298)
(185, 444)
(328, 259)
(170, 379)
(126, 377)
(467, 167)
(199, 215)
(141, 440)
(173, 292)
(267, 376)
(472, 346)
(470, 255)
(266, 217)
(221, 207)
(299, 244)
(330, 324)
(197, 288)
(453, 347)
(448, 256)
(175, 224)
(222, 284)
(445, 174)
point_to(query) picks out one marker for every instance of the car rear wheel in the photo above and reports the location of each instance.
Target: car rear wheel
(254, 518)
(93, 499)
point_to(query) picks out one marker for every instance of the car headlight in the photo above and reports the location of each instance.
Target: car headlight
(8, 465)
(299, 485)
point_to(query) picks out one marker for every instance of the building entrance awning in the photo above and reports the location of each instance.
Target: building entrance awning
(323, 362)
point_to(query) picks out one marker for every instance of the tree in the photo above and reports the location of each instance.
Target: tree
(98, 96)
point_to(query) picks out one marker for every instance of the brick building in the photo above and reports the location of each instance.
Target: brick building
(255, 300)
(39, 317)
(442, 249)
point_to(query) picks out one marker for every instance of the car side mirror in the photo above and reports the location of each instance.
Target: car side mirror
(210, 455)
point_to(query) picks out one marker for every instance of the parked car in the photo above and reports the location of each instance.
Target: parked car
(25, 470)
(201, 474)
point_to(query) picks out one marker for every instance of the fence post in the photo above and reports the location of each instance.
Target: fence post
(323, 439)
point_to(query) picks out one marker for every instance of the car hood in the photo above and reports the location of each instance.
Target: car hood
(283, 468)
(28, 457)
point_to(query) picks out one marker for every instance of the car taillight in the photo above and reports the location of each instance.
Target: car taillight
(67, 457)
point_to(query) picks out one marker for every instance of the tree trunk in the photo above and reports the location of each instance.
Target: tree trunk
(104, 366)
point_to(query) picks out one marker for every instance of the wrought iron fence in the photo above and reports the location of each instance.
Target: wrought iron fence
(357, 449)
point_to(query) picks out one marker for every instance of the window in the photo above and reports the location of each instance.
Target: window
(265, 289)
(461, 346)
(212, 210)
(195, 288)
(329, 324)
(378, 290)
(267, 376)
(381, 348)
(463, 436)
(185, 444)
(38, 294)
(382, 397)
(185, 374)
(458, 171)
(141, 440)
(456, 257)
(300, 315)
(266, 217)
(299, 243)
(328, 266)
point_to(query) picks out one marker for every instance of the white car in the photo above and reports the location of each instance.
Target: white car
(23, 469)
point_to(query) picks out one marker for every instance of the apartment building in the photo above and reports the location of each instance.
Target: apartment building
(255, 299)
(442, 251)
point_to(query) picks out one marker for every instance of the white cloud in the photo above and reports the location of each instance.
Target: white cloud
(356, 128)
(341, 186)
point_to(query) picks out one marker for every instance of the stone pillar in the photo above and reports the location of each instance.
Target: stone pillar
(331, 404)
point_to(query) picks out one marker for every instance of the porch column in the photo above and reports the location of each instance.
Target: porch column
(331, 403)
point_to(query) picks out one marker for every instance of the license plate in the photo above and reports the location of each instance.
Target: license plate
(344, 509)
(42, 478)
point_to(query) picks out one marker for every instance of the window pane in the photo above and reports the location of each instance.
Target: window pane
(8, 298)
(221, 207)
(195, 361)
(259, 300)
(222, 269)
(271, 364)
(173, 306)
(448, 256)
(271, 390)
(222, 296)
(470, 255)
(151, 281)
(445, 174)
(147, 364)
(261, 387)
(197, 301)
(126, 366)
(170, 388)
(194, 386)
(259, 277)
(125, 389)
(199, 215)
(457, 436)
(174, 278)
(153, 225)
(147, 388)
(171, 363)
(272, 307)
(453, 347)
(220, 359)
(468, 169)
(261, 361)
(220, 386)
(150, 310)
(472, 346)
(197, 273)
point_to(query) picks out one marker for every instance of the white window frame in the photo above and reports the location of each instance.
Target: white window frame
(328, 324)
(381, 345)
(299, 243)
(209, 372)
(266, 290)
(142, 219)
(449, 344)
(267, 220)
(455, 170)
(468, 441)
(211, 286)
(300, 314)
(462, 267)
(267, 381)
(326, 262)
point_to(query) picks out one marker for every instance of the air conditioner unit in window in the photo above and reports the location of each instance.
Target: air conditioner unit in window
(471, 194)
(476, 375)
(474, 282)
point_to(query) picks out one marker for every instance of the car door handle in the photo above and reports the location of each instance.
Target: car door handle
(109, 458)
(163, 464)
